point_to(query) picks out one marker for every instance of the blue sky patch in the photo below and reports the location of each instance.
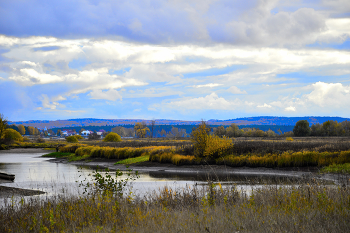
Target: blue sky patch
(214, 71)
(78, 64)
(119, 72)
(46, 48)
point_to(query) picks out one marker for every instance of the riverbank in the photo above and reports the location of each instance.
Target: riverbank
(9, 192)
(203, 172)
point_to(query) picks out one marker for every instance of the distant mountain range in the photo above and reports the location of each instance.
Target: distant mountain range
(263, 120)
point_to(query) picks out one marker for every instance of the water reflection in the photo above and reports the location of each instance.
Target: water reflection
(35, 172)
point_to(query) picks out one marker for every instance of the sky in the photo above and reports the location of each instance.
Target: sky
(174, 59)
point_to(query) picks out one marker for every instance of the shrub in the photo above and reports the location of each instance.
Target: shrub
(40, 140)
(112, 137)
(71, 139)
(12, 135)
(217, 147)
(78, 136)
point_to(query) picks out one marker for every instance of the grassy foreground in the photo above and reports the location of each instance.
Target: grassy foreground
(302, 208)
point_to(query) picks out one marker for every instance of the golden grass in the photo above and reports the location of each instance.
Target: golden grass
(302, 208)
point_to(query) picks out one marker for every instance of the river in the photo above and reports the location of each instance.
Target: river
(35, 172)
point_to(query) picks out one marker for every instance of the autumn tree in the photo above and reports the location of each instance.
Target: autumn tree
(12, 135)
(233, 131)
(141, 129)
(21, 129)
(331, 128)
(199, 137)
(31, 130)
(3, 124)
(220, 131)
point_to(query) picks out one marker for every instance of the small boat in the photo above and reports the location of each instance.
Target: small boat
(6, 176)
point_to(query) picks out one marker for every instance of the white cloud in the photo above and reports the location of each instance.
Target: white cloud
(46, 103)
(31, 77)
(58, 98)
(264, 106)
(111, 94)
(236, 90)
(212, 101)
(329, 95)
(290, 109)
(211, 85)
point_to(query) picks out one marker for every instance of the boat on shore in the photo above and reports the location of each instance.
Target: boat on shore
(6, 176)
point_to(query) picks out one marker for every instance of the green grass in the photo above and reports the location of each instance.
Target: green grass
(58, 154)
(337, 168)
(70, 156)
(139, 159)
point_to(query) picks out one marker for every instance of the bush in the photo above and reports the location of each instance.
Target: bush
(40, 140)
(217, 147)
(78, 136)
(12, 135)
(71, 139)
(112, 137)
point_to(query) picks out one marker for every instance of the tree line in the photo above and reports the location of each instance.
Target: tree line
(329, 128)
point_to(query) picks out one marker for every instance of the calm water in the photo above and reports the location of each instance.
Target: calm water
(35, 172)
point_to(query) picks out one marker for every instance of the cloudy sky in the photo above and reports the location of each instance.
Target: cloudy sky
(174, 59)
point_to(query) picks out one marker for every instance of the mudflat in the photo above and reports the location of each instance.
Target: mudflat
(7, 192)
(23, 150)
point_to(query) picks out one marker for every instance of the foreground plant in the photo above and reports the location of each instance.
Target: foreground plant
(214, 208)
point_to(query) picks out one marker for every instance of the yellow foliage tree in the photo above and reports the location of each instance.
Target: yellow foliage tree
(141, 130)
(199, 137)
(3, 124)
(12, 135)
(21, 129)
(31, 130)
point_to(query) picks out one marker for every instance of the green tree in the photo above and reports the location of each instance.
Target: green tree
(21, 129)
(302, 128)
(199, 137)
(317, 130)
(112, 137)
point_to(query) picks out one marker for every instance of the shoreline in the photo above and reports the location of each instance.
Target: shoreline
(204, 171)
(9, 192)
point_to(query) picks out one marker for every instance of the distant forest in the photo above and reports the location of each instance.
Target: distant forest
(181, 130)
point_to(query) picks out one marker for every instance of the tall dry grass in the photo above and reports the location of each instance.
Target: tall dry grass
(213, 208)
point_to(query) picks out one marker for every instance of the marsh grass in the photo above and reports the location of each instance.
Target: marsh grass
(139, 159)
(337, 168)
(307, 207)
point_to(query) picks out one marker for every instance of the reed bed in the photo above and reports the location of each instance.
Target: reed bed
(287, 159)
(120, 153)
(213, 208)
